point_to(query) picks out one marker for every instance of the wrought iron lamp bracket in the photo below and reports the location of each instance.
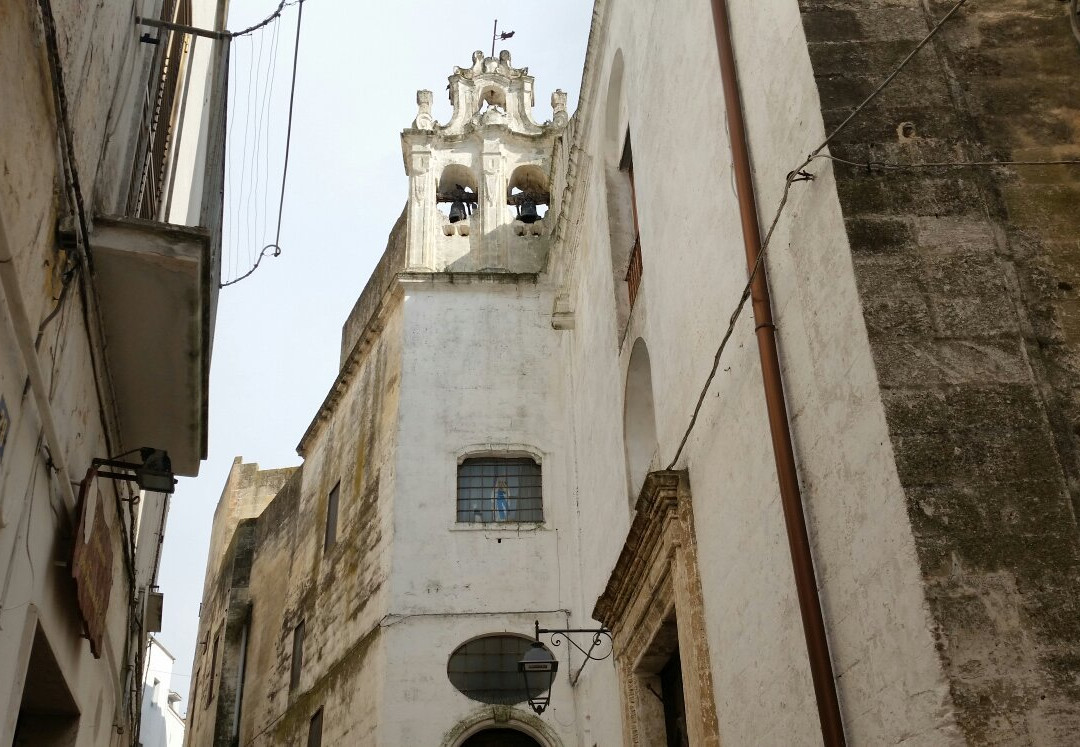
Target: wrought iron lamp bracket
(600, 637)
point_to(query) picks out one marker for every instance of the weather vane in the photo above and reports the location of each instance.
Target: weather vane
(500, 36)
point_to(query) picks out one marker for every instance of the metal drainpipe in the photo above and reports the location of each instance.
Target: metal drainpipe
(817, 645)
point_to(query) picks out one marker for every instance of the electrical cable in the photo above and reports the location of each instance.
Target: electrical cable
(276, 14)
(276, 247)
(265, 117)
(84, 255)
(889, 79)
(230, 177)
(243, 228)
(798, 174)
(893, 166)
(253, 193)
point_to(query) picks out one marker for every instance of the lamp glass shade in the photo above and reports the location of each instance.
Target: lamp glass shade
(538, 667)
(155, 473)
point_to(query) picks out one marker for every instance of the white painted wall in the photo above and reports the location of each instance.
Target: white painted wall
(102, 64)
(694, 270)
(161, 726)
(479, 376)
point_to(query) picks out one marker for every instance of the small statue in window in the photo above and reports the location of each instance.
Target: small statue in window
(501, 497)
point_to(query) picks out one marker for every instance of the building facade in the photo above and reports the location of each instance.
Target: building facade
(110, 217)
(854, 523)
(160, 724)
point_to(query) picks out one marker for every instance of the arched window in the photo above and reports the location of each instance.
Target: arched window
(639, 420)
(457, 192)
(624, 236)
(527, 195)
(486, 668)
(499, 489)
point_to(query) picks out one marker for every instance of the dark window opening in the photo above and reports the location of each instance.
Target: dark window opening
(457, 189)
(314, 733)
(331, 517)
(634, 269)
(486, 669)
(671, 689)
(213, 672)
(498, 490)
(245, 636)
(500, 738)
(47, 713)
(297, 655)
(527, 196)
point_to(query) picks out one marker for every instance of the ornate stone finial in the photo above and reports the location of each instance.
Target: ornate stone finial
(477, 66)
(491, 92)
(558, 108)
(423, 119)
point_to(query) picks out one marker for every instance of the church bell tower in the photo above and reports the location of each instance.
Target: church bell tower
(479, 186)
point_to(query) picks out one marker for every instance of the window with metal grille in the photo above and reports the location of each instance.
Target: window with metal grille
(490, 489)
(486, 669)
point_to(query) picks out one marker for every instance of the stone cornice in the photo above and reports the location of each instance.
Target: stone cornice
(656, 510)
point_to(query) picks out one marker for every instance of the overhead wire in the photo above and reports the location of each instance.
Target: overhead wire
(870, 165)
(798, 174)
(270, 18)
(274, 249)
(265, 119)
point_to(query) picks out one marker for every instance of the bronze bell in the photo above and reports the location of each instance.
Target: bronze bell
(457, 211)
(527, 211)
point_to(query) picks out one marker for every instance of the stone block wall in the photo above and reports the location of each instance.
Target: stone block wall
(277, 570)
(968, 281)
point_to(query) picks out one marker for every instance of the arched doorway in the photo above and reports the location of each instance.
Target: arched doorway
(500, 738)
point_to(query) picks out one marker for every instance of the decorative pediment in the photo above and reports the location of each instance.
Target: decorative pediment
(491, 93)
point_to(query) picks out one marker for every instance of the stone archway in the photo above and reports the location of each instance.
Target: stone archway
(499, 737)
(494, 720)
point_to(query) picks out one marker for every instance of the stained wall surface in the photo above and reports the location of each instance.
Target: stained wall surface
(967, 277)
(55, 424)
(924, 320)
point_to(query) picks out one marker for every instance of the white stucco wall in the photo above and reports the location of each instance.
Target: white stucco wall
(694, 271)
(479, 376)
(161, 726)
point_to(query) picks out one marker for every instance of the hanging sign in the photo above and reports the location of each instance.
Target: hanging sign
(92, 566)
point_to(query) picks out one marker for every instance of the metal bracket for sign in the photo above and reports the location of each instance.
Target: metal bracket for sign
(557, 635)
(170, 26)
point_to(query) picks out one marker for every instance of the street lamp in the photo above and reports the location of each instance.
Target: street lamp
(154, 474)
(539, 666)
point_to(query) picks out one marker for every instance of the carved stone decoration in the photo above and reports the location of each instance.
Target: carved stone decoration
(492, 172)
(490, 141)
(496, 83)
(558, 108)
(424, 120)
(653, 605)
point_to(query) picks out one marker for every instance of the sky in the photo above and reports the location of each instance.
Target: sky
(278, 331)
